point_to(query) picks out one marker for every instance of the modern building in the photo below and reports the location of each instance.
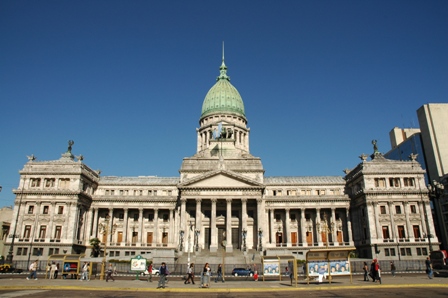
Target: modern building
(430, 144)
(221, 203)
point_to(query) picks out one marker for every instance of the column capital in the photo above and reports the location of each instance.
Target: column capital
(198, 200)
(229, 201)
(183, 200)
(214, 200)
(244, 200)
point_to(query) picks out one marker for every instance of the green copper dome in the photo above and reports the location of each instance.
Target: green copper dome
(223, 97)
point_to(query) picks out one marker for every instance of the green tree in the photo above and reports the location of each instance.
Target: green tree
(96, 249)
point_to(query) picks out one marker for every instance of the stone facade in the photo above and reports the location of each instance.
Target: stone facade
(220, 202)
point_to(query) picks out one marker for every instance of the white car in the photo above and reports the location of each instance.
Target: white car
(154, 272)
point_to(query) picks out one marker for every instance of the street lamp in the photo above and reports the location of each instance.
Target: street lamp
(260, 235)
(436, 191)
(244, 234)
(105, 231)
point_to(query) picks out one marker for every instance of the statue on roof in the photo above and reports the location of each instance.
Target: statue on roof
(375, 147)
(70, 144)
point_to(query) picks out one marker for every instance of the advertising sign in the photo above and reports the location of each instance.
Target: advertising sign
(138, 264)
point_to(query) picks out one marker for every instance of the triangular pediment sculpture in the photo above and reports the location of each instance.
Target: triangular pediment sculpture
(220, 179)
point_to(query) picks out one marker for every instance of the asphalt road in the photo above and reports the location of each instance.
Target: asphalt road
(351, 293)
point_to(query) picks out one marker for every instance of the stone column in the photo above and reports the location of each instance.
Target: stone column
(111, 223)
(410, 234)
(422, 217)
(50, 224)
(260, 224)
(66, 232)
(199, 222)
(95, 222)
(378, 228)
(213, 236)
(287, 228)
(244, 214)
(156, 227)
(183, 217)
(392, 222)
(125, 226)
(171, 228)
(319, 232)
(271, 227)
(334, 227)
(349, 227)
(303, 228)
(229, 246)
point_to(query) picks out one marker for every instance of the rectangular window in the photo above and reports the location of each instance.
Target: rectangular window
(150, 216)
(402, 251)
(386, 252)
(397, 209)
(56, 251)
(42, 232)
(135, 216)
(401, 233)
(419, 251)
(409, 182)
(49, 182)
(19, 251)
(50, 251)
(30, 209)
(57, 232)
(424, 251)
(416, 229)
(392, 252)
(383, 209)
(278, 217)
(394, 182)
(27, 232)
(37, 251)
(408, 251)
(413, 209)
(120, 216)
(45, 211)
(25, 251)
(380, 182)
(35, 182)
(165, 217)
(61, 210)
(293, 217)
(386, 232)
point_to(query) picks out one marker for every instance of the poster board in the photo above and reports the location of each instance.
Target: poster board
(138, 263)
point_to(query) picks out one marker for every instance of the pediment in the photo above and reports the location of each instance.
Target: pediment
(220, 179)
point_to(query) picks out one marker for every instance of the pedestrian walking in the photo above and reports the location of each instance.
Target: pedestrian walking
(190, 274)
(85, 271)
(150, 272)
(219, 274)
(109, 272)
(377, 271)
(163, 272)
(429, 267)
(205, 277)
(56, 271)
(52, 270)
(392, 268)
(366, 271)
(372, 270)
(33, 271)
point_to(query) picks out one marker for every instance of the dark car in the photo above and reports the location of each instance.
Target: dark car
(242, 272)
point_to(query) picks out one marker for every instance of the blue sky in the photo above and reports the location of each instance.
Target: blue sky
(126, 79)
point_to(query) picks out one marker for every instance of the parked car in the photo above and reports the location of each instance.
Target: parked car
(7, 268)
(242, 272)
(154, 272)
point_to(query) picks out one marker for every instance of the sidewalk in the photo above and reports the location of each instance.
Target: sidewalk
(240, 284)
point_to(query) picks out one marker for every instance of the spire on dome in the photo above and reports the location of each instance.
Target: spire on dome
(223, 69)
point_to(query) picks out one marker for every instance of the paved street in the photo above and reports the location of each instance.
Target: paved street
(409, 285)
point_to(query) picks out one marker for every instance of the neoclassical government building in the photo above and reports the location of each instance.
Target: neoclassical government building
(222, 202)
